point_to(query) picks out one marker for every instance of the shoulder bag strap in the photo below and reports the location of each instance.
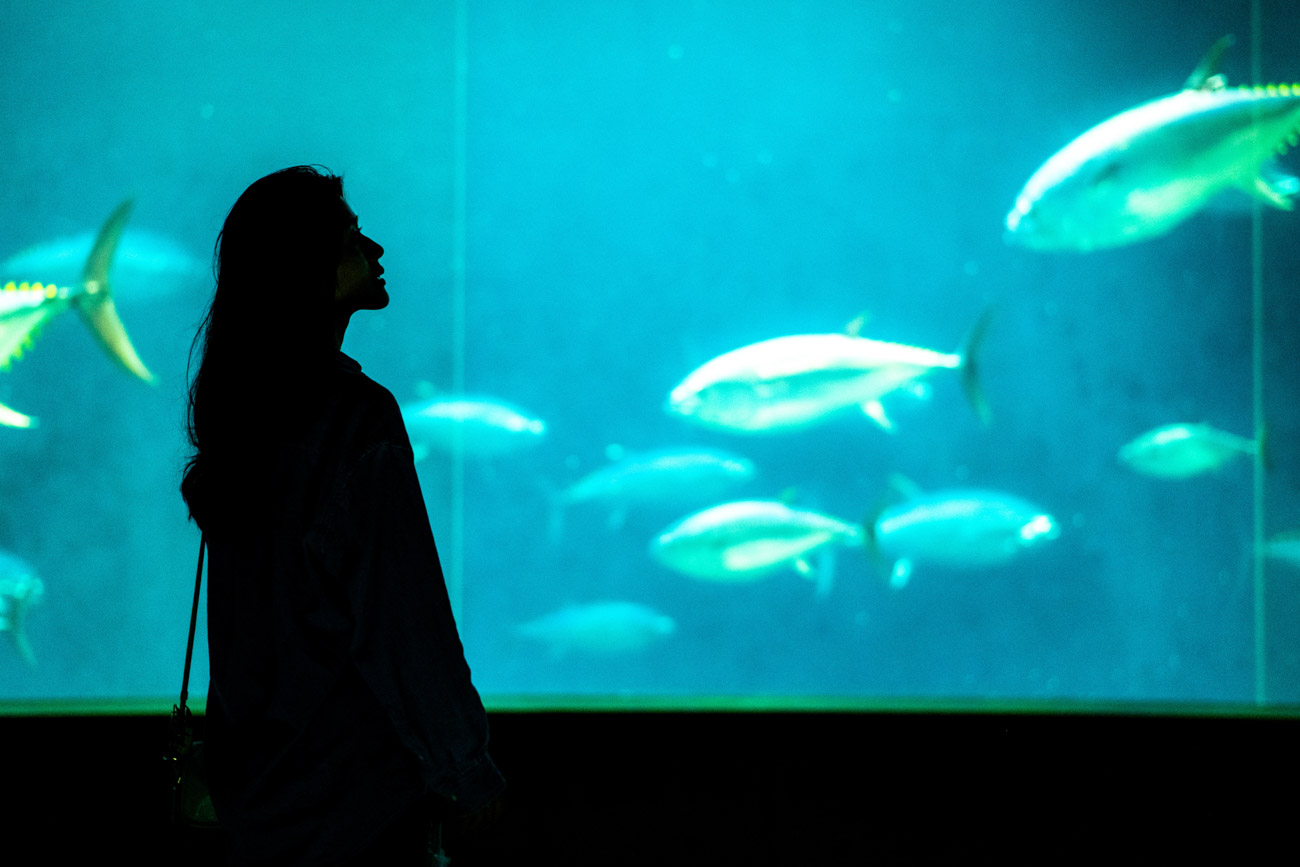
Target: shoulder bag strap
(194, 614)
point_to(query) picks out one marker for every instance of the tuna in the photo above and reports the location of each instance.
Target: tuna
(748, 540)
(789, 383)
(1146, 170)
(964, 528)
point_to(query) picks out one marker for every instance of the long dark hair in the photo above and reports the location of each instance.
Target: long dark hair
(267, 341)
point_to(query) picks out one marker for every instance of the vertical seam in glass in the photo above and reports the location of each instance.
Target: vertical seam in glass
(1257, 389)
(458, 264)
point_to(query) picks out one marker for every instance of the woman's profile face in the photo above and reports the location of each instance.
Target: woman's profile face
(360, 284)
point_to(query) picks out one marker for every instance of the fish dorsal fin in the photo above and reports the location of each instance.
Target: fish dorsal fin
(1206, 75)
(905, 486)
(855, 326)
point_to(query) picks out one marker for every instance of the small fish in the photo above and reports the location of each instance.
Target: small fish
(483, 426)
(1144, 171)
(19, 589)
(747, 540)
(146, 266)
(1180, 451)
(788, 383)
(25, 308)
(959, 529)
(667, 477)
(602, 628)
(1284, 546)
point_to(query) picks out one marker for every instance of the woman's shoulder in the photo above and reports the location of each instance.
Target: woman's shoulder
(367, 412)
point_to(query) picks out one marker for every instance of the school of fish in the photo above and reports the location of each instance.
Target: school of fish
(1132, 177)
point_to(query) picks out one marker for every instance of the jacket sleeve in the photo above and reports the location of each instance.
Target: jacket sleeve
(404, 638)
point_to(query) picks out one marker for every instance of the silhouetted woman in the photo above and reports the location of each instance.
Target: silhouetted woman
(340, 710)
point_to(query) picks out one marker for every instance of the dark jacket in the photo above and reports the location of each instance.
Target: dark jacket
(339, 691)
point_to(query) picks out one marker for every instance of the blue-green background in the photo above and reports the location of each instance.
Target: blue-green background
(647, 186)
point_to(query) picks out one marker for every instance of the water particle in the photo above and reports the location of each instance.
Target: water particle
(733, 176)
(971, 268)
(894, 95)
(207, 110)
(764, 157)
(676, 52)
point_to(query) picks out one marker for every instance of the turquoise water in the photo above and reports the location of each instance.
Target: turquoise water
(633, 190)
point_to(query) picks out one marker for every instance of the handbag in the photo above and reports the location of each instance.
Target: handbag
(183, 757)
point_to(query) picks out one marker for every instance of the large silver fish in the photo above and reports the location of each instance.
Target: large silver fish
(679, 477)
(603, 628)
(483, 426)
(20, 588)
(25, 308)
(965, 528)
(1180, 451)
(789, 383)
(1144, 171)
(747, 540)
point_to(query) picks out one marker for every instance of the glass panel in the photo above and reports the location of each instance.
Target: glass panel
(582, 204)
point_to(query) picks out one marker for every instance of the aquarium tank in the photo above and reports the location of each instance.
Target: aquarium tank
(844, 355)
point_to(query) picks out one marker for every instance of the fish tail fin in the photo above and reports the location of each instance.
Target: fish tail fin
(95, 303)
(969, 370)
(16, 625)
(870, 543)
(24, 647)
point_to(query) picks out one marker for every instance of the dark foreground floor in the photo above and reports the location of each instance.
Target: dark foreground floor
(750, 789)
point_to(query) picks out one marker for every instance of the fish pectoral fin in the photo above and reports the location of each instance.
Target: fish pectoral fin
(901, 574)
(875, 410)
(1276, 189)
